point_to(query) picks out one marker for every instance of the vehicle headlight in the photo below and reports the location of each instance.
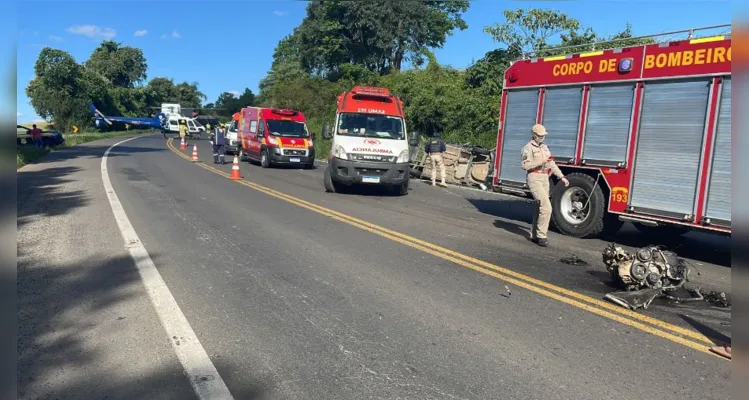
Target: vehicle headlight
(273, 141)
(309, 143)
(340, 153)
(402, 157)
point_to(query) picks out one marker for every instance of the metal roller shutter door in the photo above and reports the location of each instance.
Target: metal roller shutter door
(520, 116)
(561, 118)
(719, 191)
(609, 120)
(669, 146)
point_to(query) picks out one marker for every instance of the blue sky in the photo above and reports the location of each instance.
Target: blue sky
(176, 36)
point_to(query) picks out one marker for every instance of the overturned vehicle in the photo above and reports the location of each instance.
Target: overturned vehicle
(645, 275)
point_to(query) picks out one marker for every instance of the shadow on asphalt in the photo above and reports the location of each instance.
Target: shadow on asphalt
(697, 246)
(716, 337)
(47, 185)
(94, 151)
(52, 302)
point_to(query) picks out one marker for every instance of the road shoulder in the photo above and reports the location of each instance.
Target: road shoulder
(86, 328)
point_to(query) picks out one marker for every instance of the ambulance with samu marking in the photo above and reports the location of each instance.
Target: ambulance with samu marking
(370, 141)
(273, 136)
(642, 133)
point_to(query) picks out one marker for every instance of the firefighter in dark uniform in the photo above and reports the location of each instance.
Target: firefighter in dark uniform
(219, 145)
(435, 147)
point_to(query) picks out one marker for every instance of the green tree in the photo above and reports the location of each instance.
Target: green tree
(188, 95)
(59, 90)
(123, 66)
(380, 35)
(228, 104)
(530, 30)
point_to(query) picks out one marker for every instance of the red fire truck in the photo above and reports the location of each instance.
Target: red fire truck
(643, 134)
(274, 136)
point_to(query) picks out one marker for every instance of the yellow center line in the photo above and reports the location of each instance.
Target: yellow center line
(504, 274)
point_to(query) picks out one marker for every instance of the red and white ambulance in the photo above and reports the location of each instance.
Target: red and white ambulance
(642, 133)
(273, 136)
(370, 142)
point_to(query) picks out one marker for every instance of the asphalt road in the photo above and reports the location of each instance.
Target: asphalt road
(292, 301)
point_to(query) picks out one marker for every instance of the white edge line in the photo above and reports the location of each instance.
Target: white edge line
(203, 376)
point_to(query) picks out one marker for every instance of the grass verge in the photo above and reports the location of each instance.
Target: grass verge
(27, 155)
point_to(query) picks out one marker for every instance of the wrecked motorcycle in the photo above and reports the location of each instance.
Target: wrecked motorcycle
(644, 275)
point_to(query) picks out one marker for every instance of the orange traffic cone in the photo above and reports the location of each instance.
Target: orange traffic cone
(195, 153)
(235, 170)
(182, 143)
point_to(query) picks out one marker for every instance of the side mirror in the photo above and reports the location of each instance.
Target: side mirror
(313, 136)
(414, 140)
(326, 132)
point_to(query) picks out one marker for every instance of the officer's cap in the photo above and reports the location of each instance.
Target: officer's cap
(539, 130)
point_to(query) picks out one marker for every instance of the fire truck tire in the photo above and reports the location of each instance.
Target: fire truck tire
(330, 186)
(240, 154)
(565, 203)
(662, 230)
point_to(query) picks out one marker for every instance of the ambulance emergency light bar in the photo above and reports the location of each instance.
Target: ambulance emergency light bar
(374, 93)
(370, 90)
(289, 113)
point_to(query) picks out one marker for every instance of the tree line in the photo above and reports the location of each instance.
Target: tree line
(114, 80)
(338, 45)
(341, 44)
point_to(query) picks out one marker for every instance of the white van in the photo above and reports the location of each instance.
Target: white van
(173, 125)
(231, 137)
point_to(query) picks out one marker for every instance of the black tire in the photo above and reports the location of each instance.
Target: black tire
(402, 189)
(661, 230)
(414, 173)
(264, 159)
(310, 165)
(240, 154)
(593, 223)
(481, 150)
(330, 186)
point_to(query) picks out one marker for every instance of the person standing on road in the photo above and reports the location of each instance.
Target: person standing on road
(183, 130)
(219, 142)
(36, 137)
(435, 147)
(539, 163)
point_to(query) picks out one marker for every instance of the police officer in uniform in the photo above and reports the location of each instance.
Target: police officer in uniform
(538, 163)
(435, 147)
(219, 142)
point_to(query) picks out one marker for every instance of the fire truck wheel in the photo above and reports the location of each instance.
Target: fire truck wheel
(661, 230)
(579, 209)
(264, 159)
(330, 186)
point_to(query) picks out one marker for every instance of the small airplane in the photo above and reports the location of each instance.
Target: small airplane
(157, 122)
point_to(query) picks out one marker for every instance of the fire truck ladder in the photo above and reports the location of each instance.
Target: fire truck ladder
(611, 44)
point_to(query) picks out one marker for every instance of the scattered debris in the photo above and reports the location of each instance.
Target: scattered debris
(634, 299)
(718, 299)
(651, 272)
(573, 260)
